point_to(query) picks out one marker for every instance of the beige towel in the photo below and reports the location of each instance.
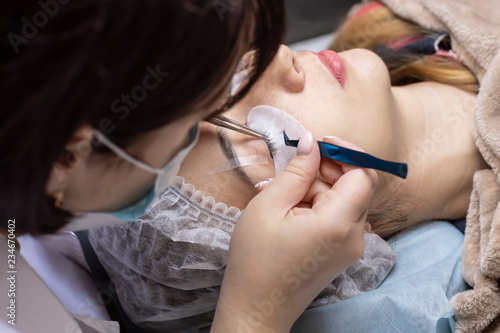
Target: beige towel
(474, 27)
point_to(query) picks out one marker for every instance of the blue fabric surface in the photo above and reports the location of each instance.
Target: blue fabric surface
(413, 298)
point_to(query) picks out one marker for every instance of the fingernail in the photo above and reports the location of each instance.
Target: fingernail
(265, 181)
(326, 137)
(305, 144)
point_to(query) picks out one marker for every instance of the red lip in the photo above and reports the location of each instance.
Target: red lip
(335, 65)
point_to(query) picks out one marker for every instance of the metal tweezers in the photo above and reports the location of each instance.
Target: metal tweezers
(355, 157)
(231, 124)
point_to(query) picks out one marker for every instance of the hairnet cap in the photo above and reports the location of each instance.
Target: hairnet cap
(167, 267)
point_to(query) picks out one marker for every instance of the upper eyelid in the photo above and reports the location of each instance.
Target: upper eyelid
(269, 143)
(229, 146)
(228, 149)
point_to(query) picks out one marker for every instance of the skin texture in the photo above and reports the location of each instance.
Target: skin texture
(96, 182)
(427, 125)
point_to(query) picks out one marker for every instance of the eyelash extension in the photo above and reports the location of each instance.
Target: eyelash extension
(270, 144)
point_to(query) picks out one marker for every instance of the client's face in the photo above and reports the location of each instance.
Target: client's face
(361, 110)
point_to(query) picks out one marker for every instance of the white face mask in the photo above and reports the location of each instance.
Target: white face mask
(164, 177)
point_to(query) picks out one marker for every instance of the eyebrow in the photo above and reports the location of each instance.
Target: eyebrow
(228, 149)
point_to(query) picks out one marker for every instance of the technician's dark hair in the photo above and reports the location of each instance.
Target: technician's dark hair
(64, 64)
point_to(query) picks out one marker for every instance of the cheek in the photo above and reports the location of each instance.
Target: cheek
(225, 187)
(257, 173)
(366, 67)
(373, 113)
(228, 186)
(364, 113)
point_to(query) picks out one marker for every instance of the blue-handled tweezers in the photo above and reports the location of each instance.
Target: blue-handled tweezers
(356, 158)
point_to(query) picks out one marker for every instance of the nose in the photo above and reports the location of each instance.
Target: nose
(285, 70)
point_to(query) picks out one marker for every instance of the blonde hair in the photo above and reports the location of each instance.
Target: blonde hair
(379, 26)
(374, 28)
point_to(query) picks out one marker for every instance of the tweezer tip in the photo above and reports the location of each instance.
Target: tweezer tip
(403, 170)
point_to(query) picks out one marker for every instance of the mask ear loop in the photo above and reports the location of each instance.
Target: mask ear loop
(121, 153)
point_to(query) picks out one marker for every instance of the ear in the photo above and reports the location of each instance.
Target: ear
(75, 153)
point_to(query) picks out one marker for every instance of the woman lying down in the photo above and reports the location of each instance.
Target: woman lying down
(413, 106)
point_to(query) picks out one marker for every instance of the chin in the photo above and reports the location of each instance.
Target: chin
(368, 66)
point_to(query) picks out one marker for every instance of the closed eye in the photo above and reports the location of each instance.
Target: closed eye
(271, 145)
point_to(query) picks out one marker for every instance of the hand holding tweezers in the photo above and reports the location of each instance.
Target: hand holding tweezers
(355, 157)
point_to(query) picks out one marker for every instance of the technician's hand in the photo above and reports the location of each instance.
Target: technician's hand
(292, 240)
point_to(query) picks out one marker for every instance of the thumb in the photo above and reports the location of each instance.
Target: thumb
(290, 186)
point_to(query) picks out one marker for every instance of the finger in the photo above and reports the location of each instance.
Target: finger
(343, 143)
(260, 186)
(318, 186)
(350, 195)
(302, 206)
(340, 142)
(330, 170)
(289, 187)
(352, 191)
